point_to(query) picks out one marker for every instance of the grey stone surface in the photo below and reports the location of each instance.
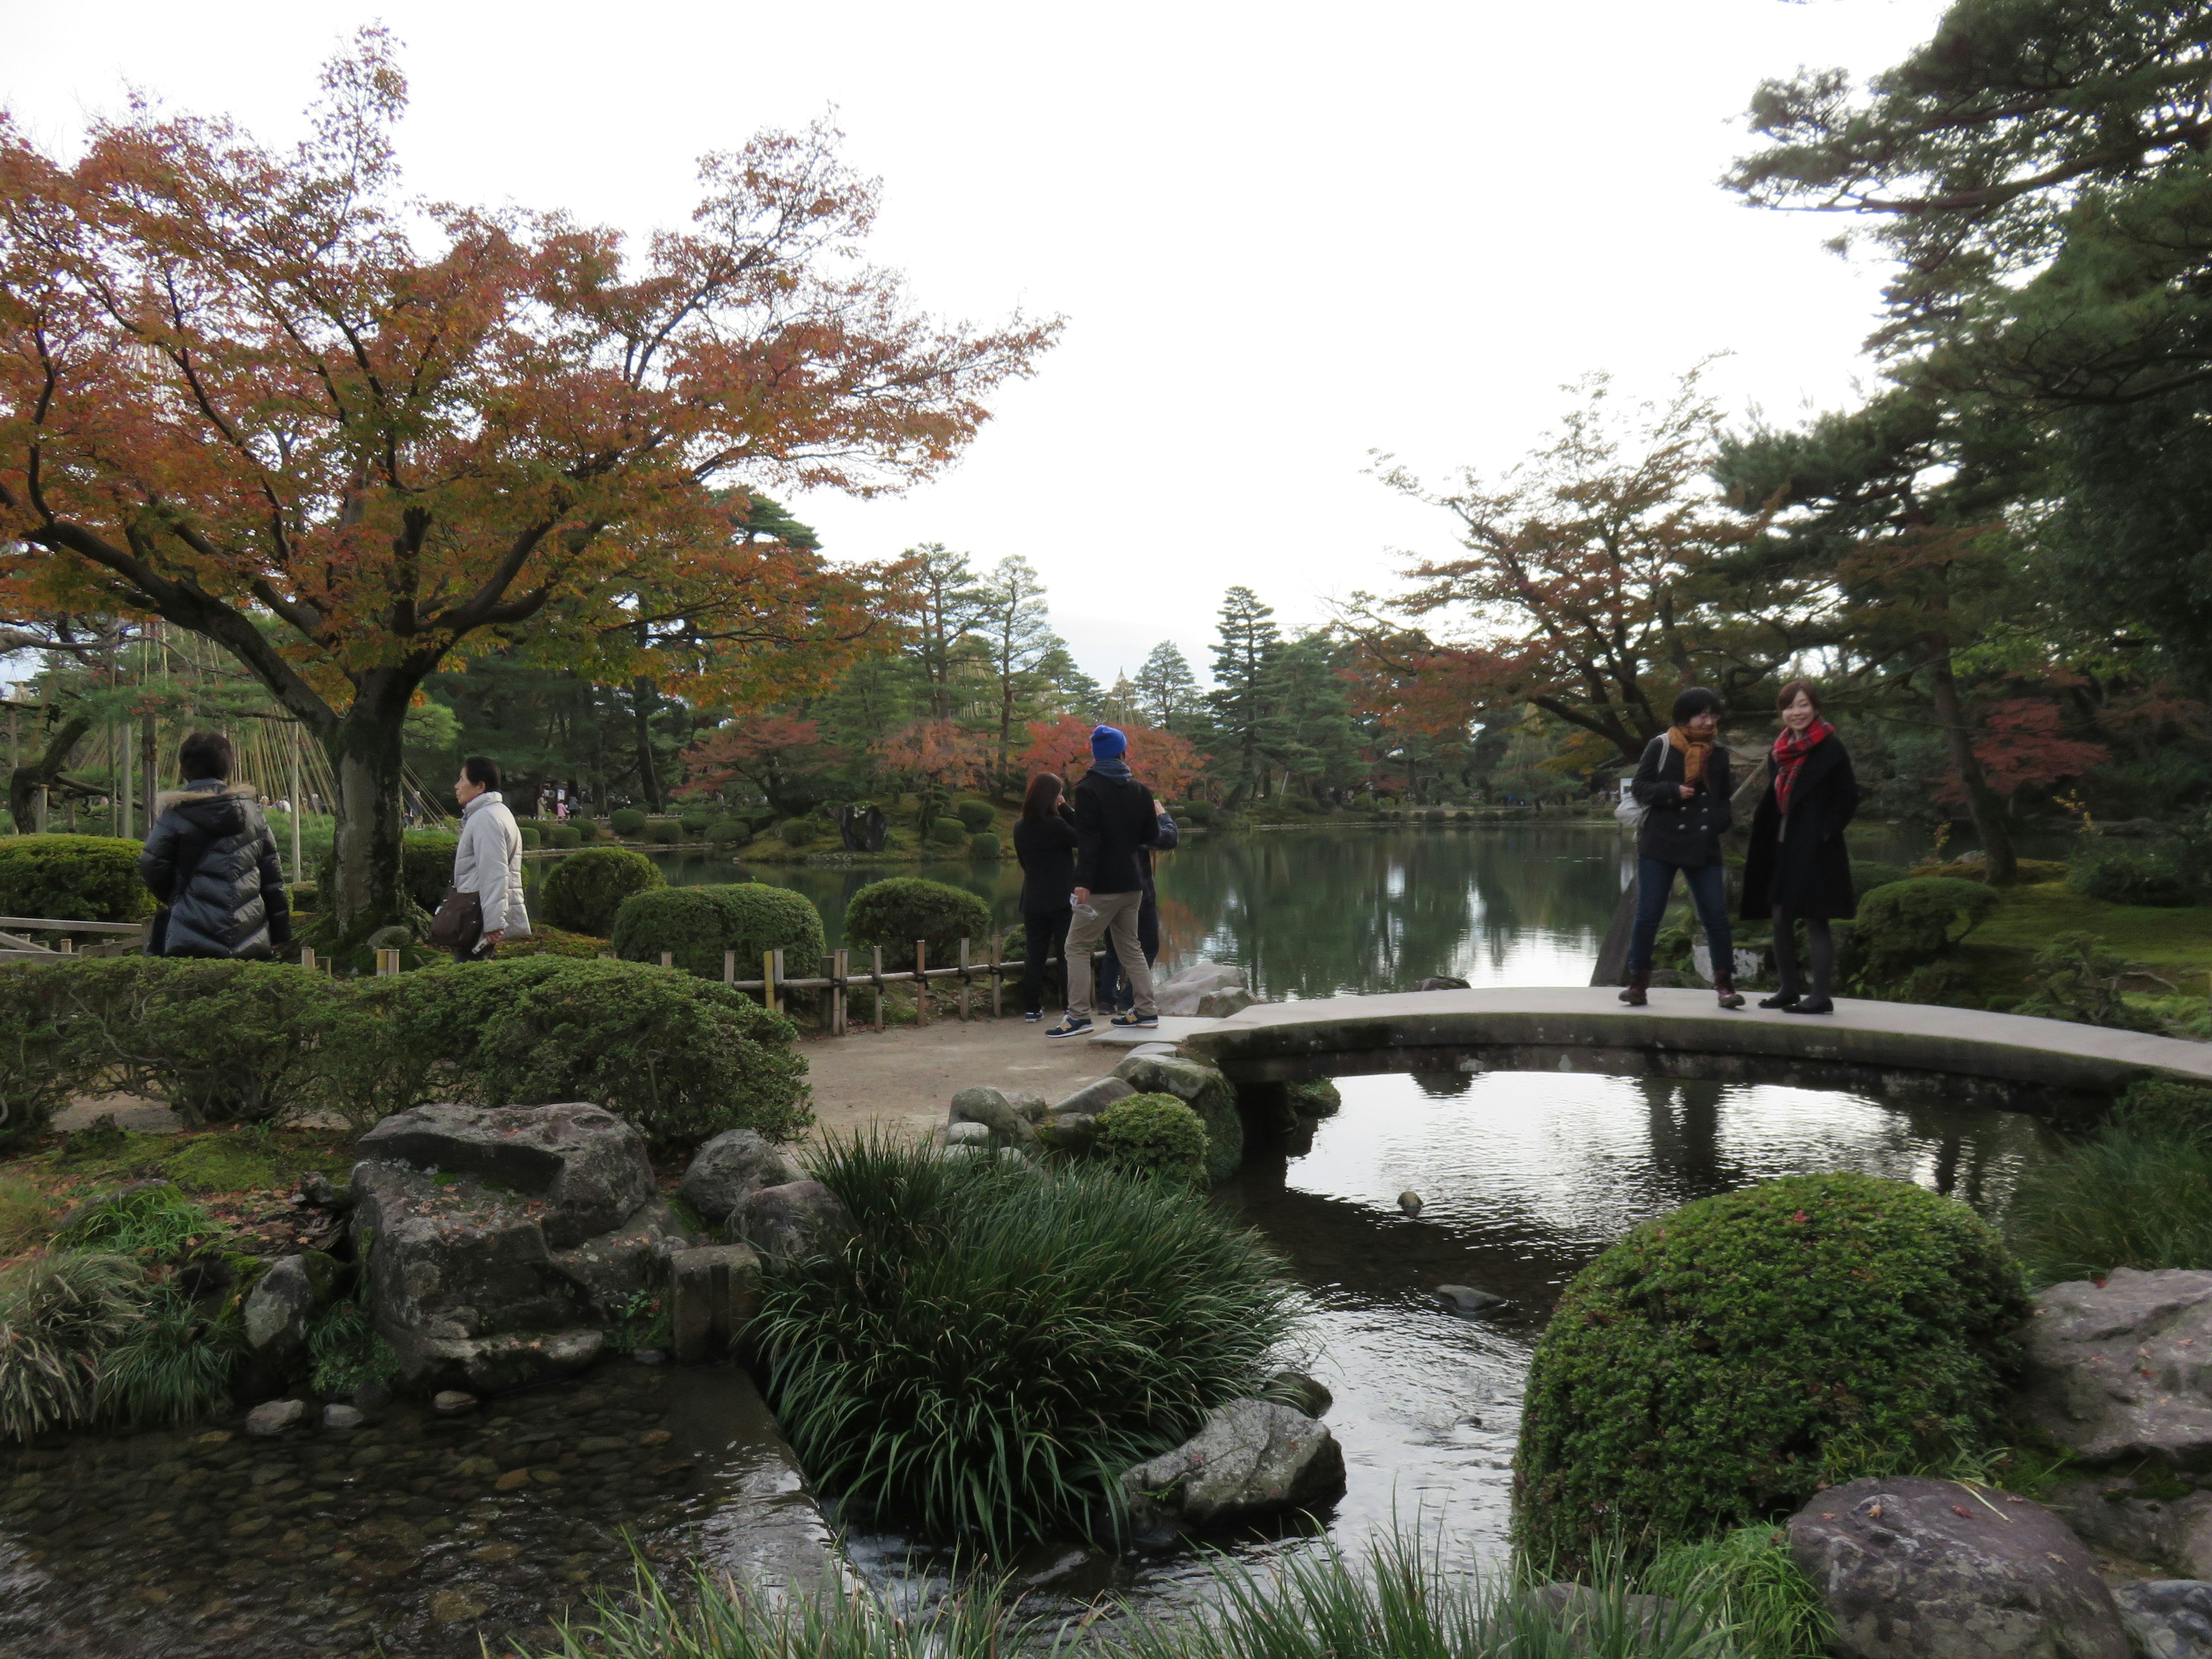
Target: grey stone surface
(2169, 1618)
(1008, 1125)
(2170, 1531)
(586, 1165)
(1219, 1004)
(1467, 1298)
(1183, 992)
(1443, 982)
(343, 1417)
(280, 1304)
(1919, 1568)
(1030, 1103)
(453, 1402)
(1093, 1098)
(730, 1168)
(1074, 1133)
(273, 1417)
(1410, 1202)
(969, 1134)
(1253, 1458)
(2125, 1369)
(1305, 1392)
(1904, 1050)
(1206, 1092)
(713, 1292)
(794, 1222)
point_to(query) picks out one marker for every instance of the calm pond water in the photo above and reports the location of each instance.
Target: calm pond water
(399, 1538)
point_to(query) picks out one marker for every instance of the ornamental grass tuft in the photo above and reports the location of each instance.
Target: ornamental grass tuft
(1000, 1341)
(1719, 1364)
(60, 1317)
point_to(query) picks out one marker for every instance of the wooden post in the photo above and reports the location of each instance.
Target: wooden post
(879, 977)
(122, 816)
(963, 979)
(998, 977)
(307, 958)
(149, 763)
(921, 981)
(387, 964)
(829, 1016)
(729, 967)
(40, 818)
(768, 980)
(68, 946)
(840, 976)
(668, 959)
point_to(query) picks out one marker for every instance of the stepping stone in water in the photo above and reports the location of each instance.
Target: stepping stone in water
(1464, 1298)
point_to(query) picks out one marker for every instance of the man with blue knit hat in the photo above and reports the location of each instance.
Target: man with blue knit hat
(1116, 818)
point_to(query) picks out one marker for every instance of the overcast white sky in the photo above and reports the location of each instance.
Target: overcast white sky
(1283, 235)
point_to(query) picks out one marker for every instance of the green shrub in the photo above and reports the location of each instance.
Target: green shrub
(2074, 977)
(2164, 874)
(532, 838)
(564, 835)
(698, 924)
(729, 832)
(344, 1350)
(681, 1058)
(986, 845)
(664, 832)
(975, 816)
(800, 832)
(694, 822)
(1197, 813)
(60, 1315)
(426, 866)
(587, 830)
(1155, 1135)
(2136, 1194)
(627, 820)
(219, 1041)
(302, 896)
(1867, 874)
(72, 878)
(38, 1071)
(1720, 1363)
(2160, 1108)
(157, 1221)
(895, 912)
(999, 1342)
(1907, 923)
(947, 832)
(585, 889)
(545, 941)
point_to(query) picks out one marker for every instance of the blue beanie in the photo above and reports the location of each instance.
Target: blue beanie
(1106, 742)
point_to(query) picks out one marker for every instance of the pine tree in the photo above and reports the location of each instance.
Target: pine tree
(1246, 694)
(1167, 690)
(949, 605)
(1016, 629)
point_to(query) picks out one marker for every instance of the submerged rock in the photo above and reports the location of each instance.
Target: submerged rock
(1410, 1202)
(273, 1417)
(1467, 1299)
(1305, 1392)
(2169, 1618)
(731, 1167)
(342, 1417)
(1253, 1458)
(453, 1402)
(2118, 1370)
(1443, 982)
(1919, 1568)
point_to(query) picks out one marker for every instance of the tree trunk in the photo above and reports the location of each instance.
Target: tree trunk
(1981, 800)
(24, 782)
(644, 699)
(364, 752)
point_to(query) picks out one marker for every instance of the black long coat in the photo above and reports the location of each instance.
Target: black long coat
(232, 903)
(1684, 833)
(1806, 872)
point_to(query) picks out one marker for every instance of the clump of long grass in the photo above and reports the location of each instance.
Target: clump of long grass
(172, 1362)
(2130, 1196)
(27, 1215)
(1750, 1578)
(61, 1317)
(345, 1351)
(155, 1221)
(1001, 1341)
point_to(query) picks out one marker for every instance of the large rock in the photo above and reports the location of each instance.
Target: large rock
(1220, 1005)
(1253, 1458)
(491, 1281)
(2152, 1519)
(731, 1167)
(1092, 1098)
(794, 1222)
(2169, 1618)
(1182, 993)
(1919, 1568)
(712, 1292)
(2125, 1369)
(585, 1165)
(280, 1304)
(1008, 1124)
(1205, 1092)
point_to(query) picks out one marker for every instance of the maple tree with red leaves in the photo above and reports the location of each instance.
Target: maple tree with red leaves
(1171, 765)
(2020, 747)
(353, 438)
(772, 753)
(940, 756)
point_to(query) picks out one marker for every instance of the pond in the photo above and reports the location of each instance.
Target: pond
(401, 1539)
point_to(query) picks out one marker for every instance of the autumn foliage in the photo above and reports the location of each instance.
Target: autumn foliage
(1171, 765)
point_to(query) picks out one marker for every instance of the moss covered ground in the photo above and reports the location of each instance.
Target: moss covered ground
(2173, 945)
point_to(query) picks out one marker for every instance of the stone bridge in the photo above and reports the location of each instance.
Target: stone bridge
(1893, 1050)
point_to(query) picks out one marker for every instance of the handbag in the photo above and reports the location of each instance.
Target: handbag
(1628, 811)
(459, 921)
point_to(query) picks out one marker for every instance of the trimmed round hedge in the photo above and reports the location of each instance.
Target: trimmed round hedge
(1154, 1134)
(895, 912)
(976, 815)
(947, 832)
(986, 845)
(1720, 1364)
(626, 820)
(585, 889)
(698, 924)
(72, 878)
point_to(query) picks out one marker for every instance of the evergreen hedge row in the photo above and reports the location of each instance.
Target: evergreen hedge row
(699, 924)
(895, 912)
(72, 878)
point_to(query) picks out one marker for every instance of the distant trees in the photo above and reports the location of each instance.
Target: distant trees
(1166, 690)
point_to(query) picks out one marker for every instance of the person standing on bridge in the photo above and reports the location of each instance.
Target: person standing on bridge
(1682, 784)
(1797, 868)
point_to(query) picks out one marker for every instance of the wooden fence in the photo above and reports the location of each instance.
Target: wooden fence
(16, 946)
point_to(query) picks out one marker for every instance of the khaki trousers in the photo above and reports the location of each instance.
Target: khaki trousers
(1113, 915)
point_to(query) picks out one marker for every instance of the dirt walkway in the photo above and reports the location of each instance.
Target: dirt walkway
(905, 1077)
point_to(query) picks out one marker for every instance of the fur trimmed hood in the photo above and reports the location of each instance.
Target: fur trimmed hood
(171, 797)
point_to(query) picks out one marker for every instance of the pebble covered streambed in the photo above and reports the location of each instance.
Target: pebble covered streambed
(411, 1535)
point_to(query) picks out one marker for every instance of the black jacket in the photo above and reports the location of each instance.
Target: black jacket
(1803, 867)
(1114, 821)
(233, 903)
(1046, 848)
(1686, 833)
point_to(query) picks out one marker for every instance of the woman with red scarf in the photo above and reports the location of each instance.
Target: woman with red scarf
(1796, 868)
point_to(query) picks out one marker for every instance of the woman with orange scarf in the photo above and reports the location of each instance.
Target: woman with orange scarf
(1682, 784)
(1797, 868)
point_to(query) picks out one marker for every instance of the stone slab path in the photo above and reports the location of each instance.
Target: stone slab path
(905, 1077)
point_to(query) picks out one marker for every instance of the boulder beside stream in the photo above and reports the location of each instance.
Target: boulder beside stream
(2120, 1369)
(1253, 1458)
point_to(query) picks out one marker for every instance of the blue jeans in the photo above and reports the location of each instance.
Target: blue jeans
(1708, 885)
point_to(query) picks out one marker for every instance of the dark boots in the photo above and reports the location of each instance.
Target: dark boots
(1636, 995)
(1724, 989)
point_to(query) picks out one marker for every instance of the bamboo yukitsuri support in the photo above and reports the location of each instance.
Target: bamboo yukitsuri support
(921, 981)
(768, 980)
(879, 977)
(840, 976)
(963, 979)
(298, 865)
(997, 979)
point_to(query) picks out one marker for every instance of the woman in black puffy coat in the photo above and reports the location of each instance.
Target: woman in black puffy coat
(211, 861)
(1797, 867)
